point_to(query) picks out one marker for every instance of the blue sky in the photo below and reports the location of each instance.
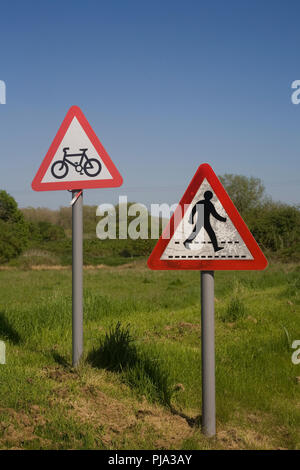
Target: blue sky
(166, 85)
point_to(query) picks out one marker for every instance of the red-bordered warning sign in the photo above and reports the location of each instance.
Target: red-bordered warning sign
(206, 232)
(76, 159)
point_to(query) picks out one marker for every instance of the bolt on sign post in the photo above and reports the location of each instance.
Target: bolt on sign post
(206, 233)
(76, 160)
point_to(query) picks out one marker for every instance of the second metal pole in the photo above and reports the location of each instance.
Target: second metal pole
(77, 288)
(208, 353)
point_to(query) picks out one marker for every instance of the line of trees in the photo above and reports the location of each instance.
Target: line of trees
(276, 226)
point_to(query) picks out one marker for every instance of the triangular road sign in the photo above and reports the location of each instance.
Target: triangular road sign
(206, 232)
(76, 159)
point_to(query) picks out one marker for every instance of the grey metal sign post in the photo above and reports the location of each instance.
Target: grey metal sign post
(208, 353)
(77, 275)
(93, 168)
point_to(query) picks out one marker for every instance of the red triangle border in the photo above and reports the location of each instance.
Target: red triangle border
(259, 260)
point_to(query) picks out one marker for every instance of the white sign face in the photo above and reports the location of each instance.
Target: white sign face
(76, 159)
(206, 232)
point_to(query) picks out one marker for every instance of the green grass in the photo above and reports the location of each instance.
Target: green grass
(139, 384)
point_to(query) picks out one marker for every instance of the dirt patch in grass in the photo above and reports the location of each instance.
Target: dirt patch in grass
(188, 325)
(45, 267)
(239, 438)
(116, 423)
(248, 432)
(58, 374)
(89, 267)
(124, 420)
(18, 428)
(171, 429)
(136, 265)
(99, 410)
(180, 329)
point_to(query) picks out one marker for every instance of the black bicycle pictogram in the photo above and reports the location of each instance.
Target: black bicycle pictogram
(90, 166)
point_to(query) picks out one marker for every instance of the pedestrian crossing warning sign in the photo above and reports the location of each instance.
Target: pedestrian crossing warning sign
(206, 232)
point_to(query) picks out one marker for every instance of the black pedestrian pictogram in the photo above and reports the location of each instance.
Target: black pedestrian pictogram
(208, 209)
(90, 166)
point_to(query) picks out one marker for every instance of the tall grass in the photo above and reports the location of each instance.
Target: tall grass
(235, 310)
(141, 369)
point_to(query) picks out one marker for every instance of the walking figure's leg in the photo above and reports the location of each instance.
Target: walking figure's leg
(193, 235)
(213, 237)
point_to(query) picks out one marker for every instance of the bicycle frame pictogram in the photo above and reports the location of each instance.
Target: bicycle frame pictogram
(89, 166)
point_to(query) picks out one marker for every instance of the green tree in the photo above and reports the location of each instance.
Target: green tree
(45, 231)
(13, 228)
(246, 192)
(276, 226)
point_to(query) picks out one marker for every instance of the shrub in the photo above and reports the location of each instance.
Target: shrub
(45, 231)
(140, 369)
(276, 227)
(13, 228)
(235, 310)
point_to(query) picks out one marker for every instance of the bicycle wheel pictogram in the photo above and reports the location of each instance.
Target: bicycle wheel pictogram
(59, 169)
(92, 167)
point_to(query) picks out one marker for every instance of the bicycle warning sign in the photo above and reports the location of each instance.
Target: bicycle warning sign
(76, 159)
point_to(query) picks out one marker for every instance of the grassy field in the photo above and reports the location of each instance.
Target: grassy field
(139, 384)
